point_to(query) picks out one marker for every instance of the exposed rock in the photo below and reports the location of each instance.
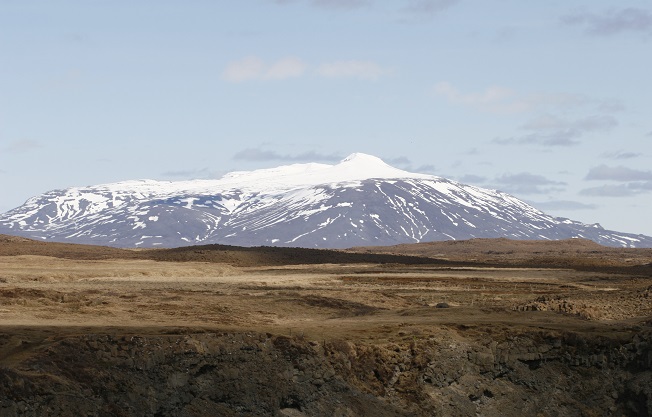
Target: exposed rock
(233, 374)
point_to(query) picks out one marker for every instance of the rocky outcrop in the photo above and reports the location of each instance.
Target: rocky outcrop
(497, 372)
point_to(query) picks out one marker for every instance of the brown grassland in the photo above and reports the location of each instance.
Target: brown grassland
(487, 327)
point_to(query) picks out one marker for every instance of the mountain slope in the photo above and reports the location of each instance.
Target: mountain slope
(360, 201)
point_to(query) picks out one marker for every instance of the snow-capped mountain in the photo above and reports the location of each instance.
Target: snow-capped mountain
(359, 201)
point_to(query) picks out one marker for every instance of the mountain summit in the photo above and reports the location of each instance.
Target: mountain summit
(360, 201)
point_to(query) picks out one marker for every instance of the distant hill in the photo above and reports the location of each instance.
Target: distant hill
(570, 253)
(360, 201)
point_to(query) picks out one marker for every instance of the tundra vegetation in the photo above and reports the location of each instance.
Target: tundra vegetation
(487, 327)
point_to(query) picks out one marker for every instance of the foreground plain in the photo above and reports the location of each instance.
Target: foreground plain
(482, 327)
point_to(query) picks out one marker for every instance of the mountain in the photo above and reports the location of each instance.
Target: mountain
(360, 201)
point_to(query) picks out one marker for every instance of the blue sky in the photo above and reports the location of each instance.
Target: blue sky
(550, 101)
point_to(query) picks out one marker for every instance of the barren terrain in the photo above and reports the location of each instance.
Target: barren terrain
(482, 327)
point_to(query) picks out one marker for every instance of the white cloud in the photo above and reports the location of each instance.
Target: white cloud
(366, 70)
(290, 67)
(254, 68)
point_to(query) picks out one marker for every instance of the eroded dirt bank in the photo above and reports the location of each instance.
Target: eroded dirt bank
(461, 372)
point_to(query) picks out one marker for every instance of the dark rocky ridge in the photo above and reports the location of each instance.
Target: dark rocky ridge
(466, 371)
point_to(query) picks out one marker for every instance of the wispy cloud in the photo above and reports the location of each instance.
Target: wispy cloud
(330, 4)
(341, 4)
(409, 10)
(610, 190)
(546, 128)
(549, 130)
(22, 145)
(366, 70)
(495, 99)
(254, 154)
(425, 169)
(562, 205)
(503, 100)
(560, 138)
(611, 22)
(472, 179)
(633, 181)
(189, 173)
(586, 124)
(620, 154)
(619, 173)
(416, 10)
(405, 163)
(642, 186)
(527, 183)
(254, 68)
(398, 160)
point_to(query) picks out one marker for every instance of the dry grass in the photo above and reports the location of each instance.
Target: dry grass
(345, 304)
(70, 285)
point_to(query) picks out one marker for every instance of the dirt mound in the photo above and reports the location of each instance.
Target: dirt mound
(276, 256)
(491, 246)
(14, 246)
(12, 239)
